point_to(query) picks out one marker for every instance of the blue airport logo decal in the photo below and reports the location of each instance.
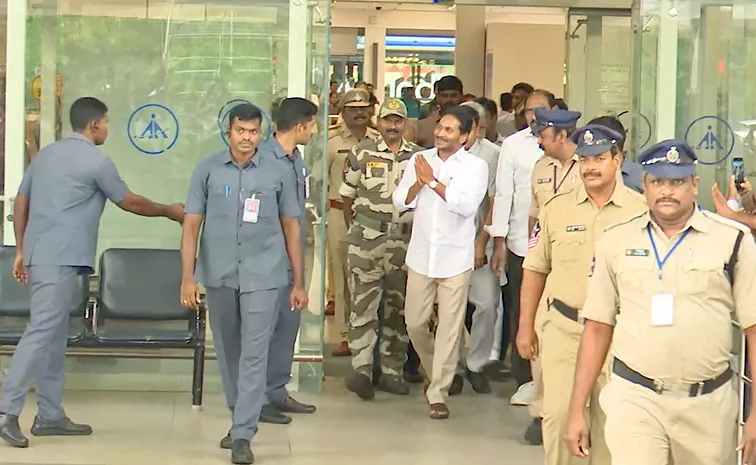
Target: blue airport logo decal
(153, 129)
(225, 111)
(712, 138)
(643, 131)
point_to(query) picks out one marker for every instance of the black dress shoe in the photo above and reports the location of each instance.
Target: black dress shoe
(226, 442)
(458, 383)
(479, 382)
(10, 431)
(291, 405)
(534, 434)
(241, 453)
(360, 384)
(62, 427)
(413, 378)
(270, 414)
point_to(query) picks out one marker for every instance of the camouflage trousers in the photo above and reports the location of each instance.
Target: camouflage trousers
(377, 283)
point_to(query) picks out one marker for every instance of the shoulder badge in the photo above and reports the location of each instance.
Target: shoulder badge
(533, 239)
(346, 165)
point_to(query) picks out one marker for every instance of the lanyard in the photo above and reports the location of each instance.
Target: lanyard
(660, 263)
(557, 186)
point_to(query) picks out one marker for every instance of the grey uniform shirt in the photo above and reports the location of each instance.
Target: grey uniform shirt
(296, 164)
(67, 185)
(234, 253)
(489, 152)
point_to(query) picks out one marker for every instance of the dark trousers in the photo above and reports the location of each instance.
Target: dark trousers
(413, 361)
(510, 294)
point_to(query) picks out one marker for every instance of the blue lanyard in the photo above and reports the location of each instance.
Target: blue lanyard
(659, 262)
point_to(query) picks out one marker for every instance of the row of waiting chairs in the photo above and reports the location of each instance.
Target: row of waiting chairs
(138, 285)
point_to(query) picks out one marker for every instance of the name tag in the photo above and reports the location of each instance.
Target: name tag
(544, 180)
(576, 228)
(662, 309)
(636, 252)
(251, 210)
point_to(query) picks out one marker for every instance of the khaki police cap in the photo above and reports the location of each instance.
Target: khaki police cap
(393, 106)
(356, 98)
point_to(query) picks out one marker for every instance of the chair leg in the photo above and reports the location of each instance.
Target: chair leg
(198, 379)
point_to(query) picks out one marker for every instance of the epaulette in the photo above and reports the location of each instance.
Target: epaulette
(625, 221)
(725, 221)
(558, 195)
(334, 130)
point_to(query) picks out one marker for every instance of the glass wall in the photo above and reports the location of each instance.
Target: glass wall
(170, 72)
(695, 62)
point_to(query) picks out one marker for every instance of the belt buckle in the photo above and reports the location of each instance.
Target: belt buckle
(658, 386)
(393, 228)
(580, 320)
(699, 388)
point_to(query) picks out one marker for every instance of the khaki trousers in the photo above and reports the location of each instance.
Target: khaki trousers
(438, 355)
(337, 246)
(561, 341)
(643, 427)
(536, 371)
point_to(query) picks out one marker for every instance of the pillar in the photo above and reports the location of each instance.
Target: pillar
(15, 110)
(666, 74)
(593, 67)
(470, 48)
(374, 68)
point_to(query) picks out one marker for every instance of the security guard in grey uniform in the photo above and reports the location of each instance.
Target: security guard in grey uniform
(295, 120)
(57, 217)
(247, 201)
(665, 286)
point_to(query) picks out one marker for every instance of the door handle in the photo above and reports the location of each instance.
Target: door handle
(12, 201)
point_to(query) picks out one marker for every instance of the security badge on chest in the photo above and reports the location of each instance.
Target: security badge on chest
(376, 169)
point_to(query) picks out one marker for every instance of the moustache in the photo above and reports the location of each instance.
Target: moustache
(592, 174)
(668, 200)
(392, 131)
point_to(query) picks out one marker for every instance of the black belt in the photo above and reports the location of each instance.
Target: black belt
(569, 312)
(695, 390)
(381, 226)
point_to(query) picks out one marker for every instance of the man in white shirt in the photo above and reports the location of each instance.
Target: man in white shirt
(445, 185)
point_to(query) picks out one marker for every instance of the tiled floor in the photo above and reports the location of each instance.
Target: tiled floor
(161, 429)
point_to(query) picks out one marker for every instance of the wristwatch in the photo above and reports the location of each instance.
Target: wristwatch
(433, 184)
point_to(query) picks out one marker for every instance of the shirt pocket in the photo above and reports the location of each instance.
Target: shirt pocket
(701, 275)
(376, 176)
(222, 201)
(568, 247)
(268, 203)
(636, 274)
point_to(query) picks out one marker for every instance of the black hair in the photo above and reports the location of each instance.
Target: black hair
(470, 97)
(474, 114)
(449, 83)
(523, 86)
(245, 112)
(561, 104)
(465, 117)
(505, 101)
(547, 95)
(489, 105)
(86, 110)
(293, 111)
(614, 124)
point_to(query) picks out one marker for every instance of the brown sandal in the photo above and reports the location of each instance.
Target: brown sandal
(439, 411)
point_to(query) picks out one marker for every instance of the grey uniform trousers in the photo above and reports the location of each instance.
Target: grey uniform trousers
(243, 324)
(281, 352)
(40, 355)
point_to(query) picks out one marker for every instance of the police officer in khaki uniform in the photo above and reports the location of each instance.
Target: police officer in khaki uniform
(570, 225)
(378, 238)
(663, 290)
(355, 113)
(555, 172)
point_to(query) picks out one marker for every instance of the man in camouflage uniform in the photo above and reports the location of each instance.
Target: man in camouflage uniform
(378, 239)
(342, 137)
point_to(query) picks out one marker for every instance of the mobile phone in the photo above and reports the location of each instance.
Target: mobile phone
(738, 170)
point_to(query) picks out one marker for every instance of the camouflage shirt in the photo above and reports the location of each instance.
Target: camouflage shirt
(371, 174)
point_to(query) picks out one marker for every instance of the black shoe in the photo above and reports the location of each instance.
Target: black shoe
(393, 385)
(534, 435)
(241, 454)
(270, 414)
(361, 384)
(497, 371)
(457, 385)
(479, 382)
(226, 442)
(413, 378)
(291, 405)
(10, 431)
(62, 427)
